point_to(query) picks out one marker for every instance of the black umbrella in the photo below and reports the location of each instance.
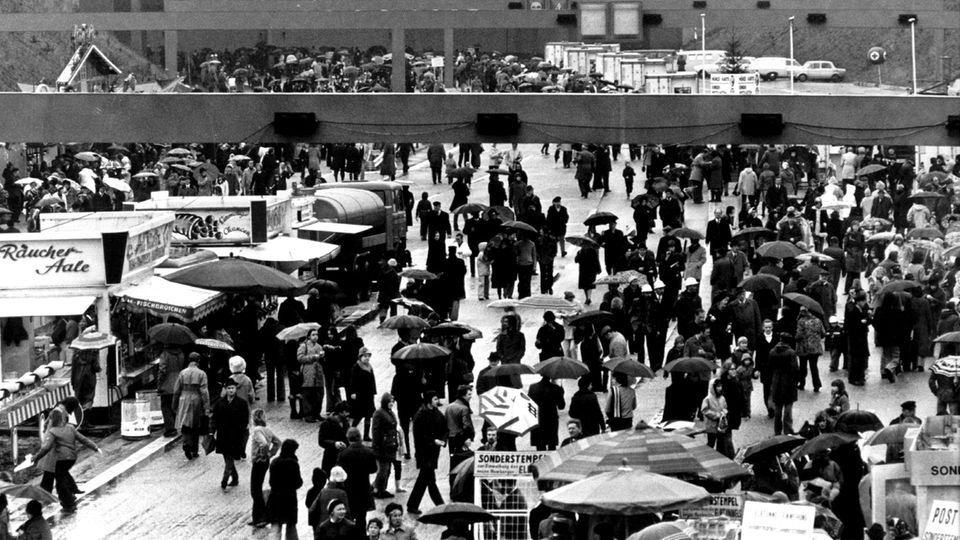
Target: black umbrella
(779, 250)
(684, 232)
(774, 446)
(560, 367)
(690, 364)
(519, 226)
(601, 218)
(421, 351)
(447, 329)
(398, 322)
(760, 282)
(825, 442)
(898, 286)
(925, 195)
(580, 241)
(171, 334)
(590, 317)
(805, 301)
(238, 276)
(510, 369)
(751, 232)
(471, 208)
(503, 213)
(628, 366)
(857, 421)
(446, 514)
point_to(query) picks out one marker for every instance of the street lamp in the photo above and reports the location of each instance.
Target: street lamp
(792, 61)
(703, 52)
(913, 50)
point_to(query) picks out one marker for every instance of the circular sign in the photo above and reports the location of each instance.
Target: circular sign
(877, 55)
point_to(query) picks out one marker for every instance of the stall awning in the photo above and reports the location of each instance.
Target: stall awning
(160, 297)
(285, 249)
(45, 306)
(340, 228)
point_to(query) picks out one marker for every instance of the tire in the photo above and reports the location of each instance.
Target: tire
(836, 78)
(772, 76)
(802, 77)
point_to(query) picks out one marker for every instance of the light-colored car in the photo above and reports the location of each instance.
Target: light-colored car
(820, 70)
(702, 61)
(772, 68)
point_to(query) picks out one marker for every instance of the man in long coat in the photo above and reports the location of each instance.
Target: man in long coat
(359, 462)
(785, 375)
(549, 400)
(231, 416)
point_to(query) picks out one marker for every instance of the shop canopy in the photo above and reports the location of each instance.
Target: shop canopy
(160, 297)
(34, 306)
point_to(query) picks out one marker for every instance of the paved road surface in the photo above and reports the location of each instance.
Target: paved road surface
(173, 498)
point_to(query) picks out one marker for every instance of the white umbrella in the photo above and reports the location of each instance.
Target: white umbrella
(28, 181)
(509, 409)
(117, 184)
(88, 179)
(286, 249)
(297, 331)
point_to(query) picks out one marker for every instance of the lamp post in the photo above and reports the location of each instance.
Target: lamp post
(792, 61)
(913, 51)
(703, 52)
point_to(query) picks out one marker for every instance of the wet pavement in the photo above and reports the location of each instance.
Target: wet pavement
(170, 497)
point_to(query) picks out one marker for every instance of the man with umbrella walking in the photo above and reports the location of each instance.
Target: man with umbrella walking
(171, 363)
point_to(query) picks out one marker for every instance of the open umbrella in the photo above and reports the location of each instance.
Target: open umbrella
(421, 351)
(949, 337)
(628, 366)
(625, 491)
(666, 530)
(181, 167)
(875, 223)
(117, 184)
(771, 447)
(870, 169)
(601, 218)
(171, 159)
(684, 232)
(898, 285)
(238, 276)
(560, 367)
(145, 174)
(503, 213)
(779, 250)
(27, 491)
(471, 208)
(171, 334)
(829, 521)
(880, 237)
(948, 366)
(752, 232)
(214, 344)
(518, 226)
(656, 451)
(821, 257)
(297, 331)
(445, 514)
(805, 301)
(93, 341)
(509, 409)
(240, 157)
(690, 364)
(580, 241)
(417, 273)
(503, 303)
(546, 301)
(505, 370)
(463, 172)
(398, 322)
(933, 176)
(28, 181)
(48, 201)
(179, 152)
(117, 148)
(761, 282)
(446, 329)
(589, 317)
(925, 232)
(925, 195)
(88, 156)
(889, 435)
(825, 442)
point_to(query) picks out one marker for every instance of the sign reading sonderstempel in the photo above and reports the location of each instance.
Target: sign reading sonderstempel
(505, 464)
(52, 263)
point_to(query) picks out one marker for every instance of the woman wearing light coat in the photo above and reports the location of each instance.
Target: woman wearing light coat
(696, 258)
(309, 355)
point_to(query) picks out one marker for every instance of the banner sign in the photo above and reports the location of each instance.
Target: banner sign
(764, 521)
(505, 464)
(721, 504)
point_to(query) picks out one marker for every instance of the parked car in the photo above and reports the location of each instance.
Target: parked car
(820, 70)
(771, 68)
(702, 61)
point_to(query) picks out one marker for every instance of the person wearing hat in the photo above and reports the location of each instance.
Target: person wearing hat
(6, 221)
(389, 289)
(687, 304)
(318, 511)
(438, 229)
(556, 224)
(363, 391)
(908, 414)
(191, 400)
(856, 321)
(785, 375)
(614, 244)
(228, 424)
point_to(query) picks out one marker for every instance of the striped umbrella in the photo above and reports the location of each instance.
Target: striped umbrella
(214, 344)
(509, 409)
(93, 341)
(625, 492)
(546, 301)
(948, 366)
(652, 450)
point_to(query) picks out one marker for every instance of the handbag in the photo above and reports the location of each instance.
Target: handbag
(723, 425)
(209, 444)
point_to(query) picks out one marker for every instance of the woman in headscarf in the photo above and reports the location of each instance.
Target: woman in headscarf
(714, 411)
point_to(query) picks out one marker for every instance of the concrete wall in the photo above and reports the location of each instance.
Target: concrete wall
(450, 117)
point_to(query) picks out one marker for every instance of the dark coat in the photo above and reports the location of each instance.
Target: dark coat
(384, 435)
(671, 213)
(761, 358)
(428, 425)
(723, 277)
(331, 432)
(389, 285)
(589, 266)
(229, 422)
(718, 234)
(549, 400)
(285, 480)
(364, 385)
(856, 323)
(746, 320)
(557, 220)
(785, 372)
(585, 408)
(359, 463)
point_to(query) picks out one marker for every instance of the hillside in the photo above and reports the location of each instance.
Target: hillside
(847, 48)
(29, 57)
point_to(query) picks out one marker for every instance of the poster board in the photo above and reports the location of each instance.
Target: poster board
(505, 487)
(943, 522)
(763, 521)
(715, 519)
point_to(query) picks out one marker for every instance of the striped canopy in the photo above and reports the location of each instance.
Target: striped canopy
(653, 450)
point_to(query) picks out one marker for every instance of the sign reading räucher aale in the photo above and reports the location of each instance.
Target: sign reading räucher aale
(43, 262)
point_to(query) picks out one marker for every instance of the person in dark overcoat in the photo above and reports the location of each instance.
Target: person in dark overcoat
(854, 244)
(228, 423)
(585, 407)
(359, 462)
(785, 375)
(285, 480)
(332, 436)
(429, 435)
(386, 444)
(549, 399)
(504, 268)
(589, 267)
(407, 390)
(363, 390)
(856, 322)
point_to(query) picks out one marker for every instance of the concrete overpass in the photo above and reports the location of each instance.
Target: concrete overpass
(641, 118)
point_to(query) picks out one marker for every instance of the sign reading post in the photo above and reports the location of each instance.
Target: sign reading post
(763, 521)
(943, 522)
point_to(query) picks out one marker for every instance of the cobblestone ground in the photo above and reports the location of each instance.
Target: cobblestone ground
(173, 498)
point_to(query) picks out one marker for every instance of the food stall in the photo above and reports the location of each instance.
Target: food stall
(62, 277)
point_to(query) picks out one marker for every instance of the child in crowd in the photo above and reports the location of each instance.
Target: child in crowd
(839, 399)
(745, 376)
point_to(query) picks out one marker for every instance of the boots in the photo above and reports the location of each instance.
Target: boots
(294, 413)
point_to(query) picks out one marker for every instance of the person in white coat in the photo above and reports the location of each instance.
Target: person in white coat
(747, 186)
